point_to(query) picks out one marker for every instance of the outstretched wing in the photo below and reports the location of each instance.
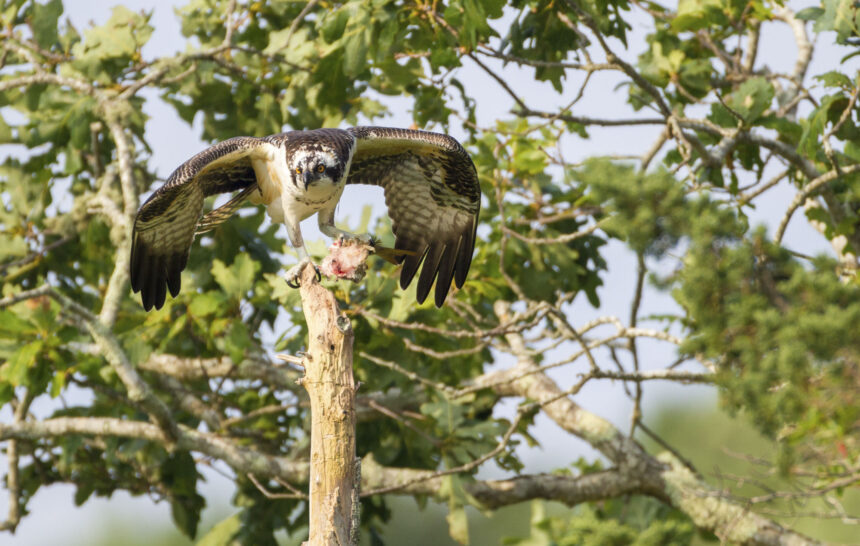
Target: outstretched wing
(433, 197)
(165, 224)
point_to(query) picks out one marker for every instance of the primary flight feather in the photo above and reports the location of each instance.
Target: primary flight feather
(430, 184)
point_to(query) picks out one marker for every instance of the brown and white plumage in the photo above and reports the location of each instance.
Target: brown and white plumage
(430, 184)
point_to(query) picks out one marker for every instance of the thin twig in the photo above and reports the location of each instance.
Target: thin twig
(805, 192)
(467, 467)
(294, 494)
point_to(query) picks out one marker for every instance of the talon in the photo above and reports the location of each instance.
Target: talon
(319, 274)
(294, 274)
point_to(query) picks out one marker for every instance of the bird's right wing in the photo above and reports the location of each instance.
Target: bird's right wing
(166, 223)
(433, 197)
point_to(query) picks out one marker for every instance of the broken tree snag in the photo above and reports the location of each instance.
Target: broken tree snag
(331, 388)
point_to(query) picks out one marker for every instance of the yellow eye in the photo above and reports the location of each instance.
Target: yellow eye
(320, 168)
(298, 170)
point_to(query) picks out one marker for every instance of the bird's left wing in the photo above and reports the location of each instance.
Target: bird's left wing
(433, 197)
(165, 224)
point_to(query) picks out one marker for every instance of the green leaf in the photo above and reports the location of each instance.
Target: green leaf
(355, 53)
(749, 101)
(458, 524)
(223, 533)
(813, 127)
(334, 24)
(44, 22)
(179, 475)
(752, 98)
(108, 48)
(237, 279)
(58, 383)
(809, 14)
(237, 341)
(841, 16)
(203, 305)
(5, 131)
(15, 369)
(835, 79)
(13, 326)
(698, 14)
(493, 8)
(184, 518)
(852, 150)
(83, 492)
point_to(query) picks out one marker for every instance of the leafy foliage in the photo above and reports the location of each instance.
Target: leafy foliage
(779, 328)
(640, 523)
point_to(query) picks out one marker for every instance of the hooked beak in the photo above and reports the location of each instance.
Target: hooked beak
(307, 178)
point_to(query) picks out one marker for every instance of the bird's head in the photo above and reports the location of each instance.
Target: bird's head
(316, 166)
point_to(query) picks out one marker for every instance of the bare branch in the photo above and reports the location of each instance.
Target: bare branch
(12, 478)
(408, 373)
(584, 120)
(804, 51)
(243, 460)
(252, 368)
(72, 83)
(656, 375)
(807, 190)
(443, 355)
(561, 239)
(43, 290)
(519, 323)
(493, 494)
(294, 493)
(612, 58)
(466, 467)
(745, 198)
(118, 283)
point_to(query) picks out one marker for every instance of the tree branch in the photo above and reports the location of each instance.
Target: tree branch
(664, 477)
(241, 459)
(330, 385)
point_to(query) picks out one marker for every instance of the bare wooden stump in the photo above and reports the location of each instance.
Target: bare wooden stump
(330, 385)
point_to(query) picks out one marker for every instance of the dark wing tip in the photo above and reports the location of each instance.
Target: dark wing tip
(165, 224)
(428, 271)
(440, 180)
(153, 274)
(440, 261)
(464, 253)
(411, 262)
(446, 271)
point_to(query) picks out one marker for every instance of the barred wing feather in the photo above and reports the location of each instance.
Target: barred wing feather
(166, 223)
(433, 197)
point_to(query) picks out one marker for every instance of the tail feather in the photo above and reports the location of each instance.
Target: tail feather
(391, 255)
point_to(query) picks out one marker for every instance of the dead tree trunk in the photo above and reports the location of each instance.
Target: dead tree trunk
(330, 385)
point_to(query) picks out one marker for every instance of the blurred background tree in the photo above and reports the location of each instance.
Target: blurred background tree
(100, 395)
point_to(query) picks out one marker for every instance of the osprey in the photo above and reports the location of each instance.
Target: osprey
(430, 184)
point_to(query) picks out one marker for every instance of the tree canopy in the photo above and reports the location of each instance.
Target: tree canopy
(774, 326)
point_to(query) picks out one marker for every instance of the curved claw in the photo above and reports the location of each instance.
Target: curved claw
(294, 275)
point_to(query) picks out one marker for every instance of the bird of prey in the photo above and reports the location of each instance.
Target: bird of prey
(430, 184)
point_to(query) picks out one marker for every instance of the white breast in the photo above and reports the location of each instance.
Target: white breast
(285, 202)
